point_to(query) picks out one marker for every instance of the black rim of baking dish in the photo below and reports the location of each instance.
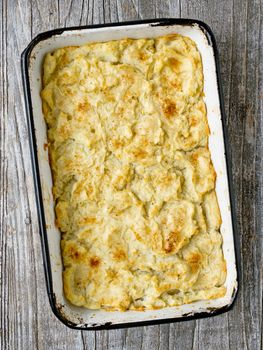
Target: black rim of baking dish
(25, 61)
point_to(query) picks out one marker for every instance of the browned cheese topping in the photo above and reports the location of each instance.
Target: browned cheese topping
(134, 185)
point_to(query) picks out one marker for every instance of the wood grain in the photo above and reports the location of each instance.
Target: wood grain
(26, 318)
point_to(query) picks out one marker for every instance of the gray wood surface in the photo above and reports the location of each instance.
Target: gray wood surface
(26, 318)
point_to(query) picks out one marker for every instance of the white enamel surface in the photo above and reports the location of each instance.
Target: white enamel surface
(216, 145)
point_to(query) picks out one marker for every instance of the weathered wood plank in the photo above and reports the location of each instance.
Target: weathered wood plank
(253, 253)
(16, 236)
(26, 318)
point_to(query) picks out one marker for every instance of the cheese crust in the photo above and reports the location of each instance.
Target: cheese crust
(133, 181)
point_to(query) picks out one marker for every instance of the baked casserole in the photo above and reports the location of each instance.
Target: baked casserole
(133, 181)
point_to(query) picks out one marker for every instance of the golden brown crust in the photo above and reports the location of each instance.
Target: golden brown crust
(134, 184)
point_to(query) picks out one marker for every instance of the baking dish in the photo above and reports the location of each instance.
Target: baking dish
(32, 59)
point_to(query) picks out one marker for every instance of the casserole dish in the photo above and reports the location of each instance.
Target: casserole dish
(32, 59)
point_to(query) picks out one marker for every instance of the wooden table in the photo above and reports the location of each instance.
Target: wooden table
(26, 318)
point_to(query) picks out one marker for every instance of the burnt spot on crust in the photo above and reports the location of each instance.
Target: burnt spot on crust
(169, 108)
(119, 254)
(172, 242)
(195, 157)
(74, 253)
(176, 84)
(142, 56)
(174, 63)
(88, 220)
(83, 107)
(94, 261)
(117, 143)
(193, 121)
(194, 261)
(140, 153)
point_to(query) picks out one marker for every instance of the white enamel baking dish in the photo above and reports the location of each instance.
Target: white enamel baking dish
(32, 58)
